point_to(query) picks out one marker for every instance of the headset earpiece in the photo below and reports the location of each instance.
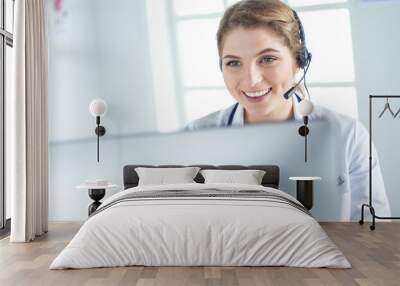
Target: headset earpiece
(304, 56)
(304, 59)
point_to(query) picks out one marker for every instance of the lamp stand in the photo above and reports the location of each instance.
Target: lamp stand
(100, 131)
(303, 131)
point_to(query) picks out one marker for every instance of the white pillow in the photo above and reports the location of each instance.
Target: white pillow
(163, 176)
(249, 177)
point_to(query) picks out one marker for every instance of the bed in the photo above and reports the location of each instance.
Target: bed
(201, 224)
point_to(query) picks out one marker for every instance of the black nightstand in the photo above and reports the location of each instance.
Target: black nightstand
(96, 193)
(304, 190)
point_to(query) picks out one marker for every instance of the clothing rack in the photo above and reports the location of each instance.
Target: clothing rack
(369, 205)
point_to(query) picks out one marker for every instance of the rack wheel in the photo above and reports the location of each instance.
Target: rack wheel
(372, 227)
(361, 222)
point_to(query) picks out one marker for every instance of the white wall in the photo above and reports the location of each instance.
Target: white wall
(81, 68)
(73, 71)
(123, 56)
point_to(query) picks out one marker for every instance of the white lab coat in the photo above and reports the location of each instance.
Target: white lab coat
(352, 147)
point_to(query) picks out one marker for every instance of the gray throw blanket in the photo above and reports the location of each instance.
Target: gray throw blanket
(206, 194)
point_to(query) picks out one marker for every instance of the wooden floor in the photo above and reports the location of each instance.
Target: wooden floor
(374, 255)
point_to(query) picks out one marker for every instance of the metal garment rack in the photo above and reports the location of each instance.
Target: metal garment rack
(369, 205)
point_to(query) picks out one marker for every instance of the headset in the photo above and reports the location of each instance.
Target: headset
(303, 59)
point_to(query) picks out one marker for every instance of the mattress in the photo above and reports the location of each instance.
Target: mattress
(201, 225)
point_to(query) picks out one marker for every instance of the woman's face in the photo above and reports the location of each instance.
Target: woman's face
(258, 69)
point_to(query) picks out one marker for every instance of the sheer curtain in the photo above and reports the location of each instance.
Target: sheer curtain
(27, 158)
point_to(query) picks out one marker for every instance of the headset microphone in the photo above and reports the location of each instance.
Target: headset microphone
(291, 91)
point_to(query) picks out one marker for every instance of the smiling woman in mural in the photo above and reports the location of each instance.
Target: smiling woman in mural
(260, 52)
(261, 49)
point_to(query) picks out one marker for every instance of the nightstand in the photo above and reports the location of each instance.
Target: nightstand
(304, 190)
(96, 193)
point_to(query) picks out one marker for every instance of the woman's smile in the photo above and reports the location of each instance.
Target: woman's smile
(257, 96)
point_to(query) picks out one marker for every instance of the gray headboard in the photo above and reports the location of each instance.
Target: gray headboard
(271, 177)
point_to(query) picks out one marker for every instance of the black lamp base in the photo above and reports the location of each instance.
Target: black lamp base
(96, 195)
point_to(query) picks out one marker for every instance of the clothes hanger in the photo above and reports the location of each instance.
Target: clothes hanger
(397, 113)
(387, 107)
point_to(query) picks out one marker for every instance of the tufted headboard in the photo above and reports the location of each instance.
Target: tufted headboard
(270, 179)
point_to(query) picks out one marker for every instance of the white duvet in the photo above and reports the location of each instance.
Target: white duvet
(200, 231)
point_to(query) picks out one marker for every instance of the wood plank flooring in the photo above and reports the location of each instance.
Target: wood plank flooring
(374, 255)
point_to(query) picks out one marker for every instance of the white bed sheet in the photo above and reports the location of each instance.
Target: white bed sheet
(200, 231)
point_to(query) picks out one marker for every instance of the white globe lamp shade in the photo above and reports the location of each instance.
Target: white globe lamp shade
(98, 107)
(305, 107)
